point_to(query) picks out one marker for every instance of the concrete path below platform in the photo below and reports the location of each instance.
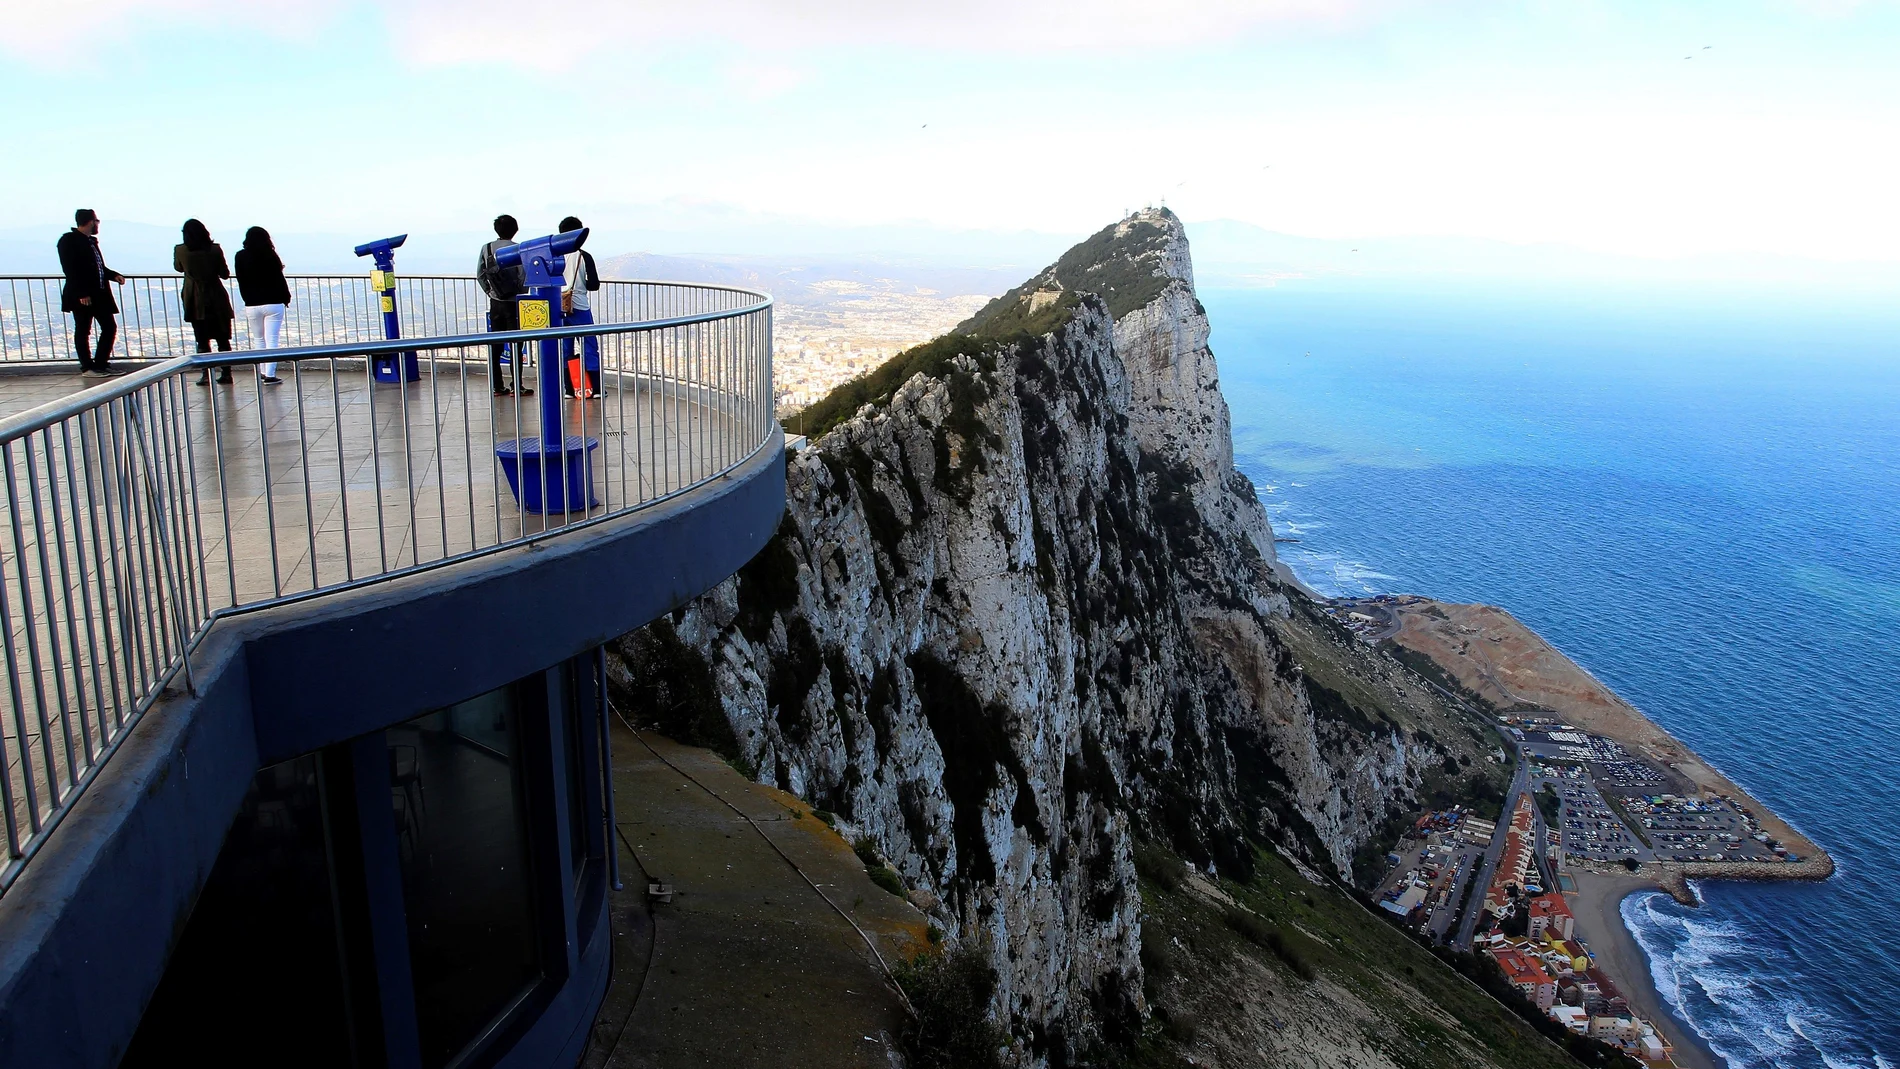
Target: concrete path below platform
(749, 964)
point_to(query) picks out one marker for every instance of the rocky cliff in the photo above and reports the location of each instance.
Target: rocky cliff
(1021, 612)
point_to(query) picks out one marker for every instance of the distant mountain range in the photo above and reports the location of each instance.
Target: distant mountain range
(787, 257)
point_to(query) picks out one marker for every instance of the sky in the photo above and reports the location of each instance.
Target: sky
(1732, 129)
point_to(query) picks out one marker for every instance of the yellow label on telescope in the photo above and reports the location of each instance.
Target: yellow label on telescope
(382, 280)
(534, 315)
(389, 304)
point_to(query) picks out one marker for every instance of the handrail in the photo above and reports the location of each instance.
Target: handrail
(324, 308)
(137, 513)
(32, 419)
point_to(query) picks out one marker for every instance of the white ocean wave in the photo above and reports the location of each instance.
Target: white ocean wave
(1710, 974)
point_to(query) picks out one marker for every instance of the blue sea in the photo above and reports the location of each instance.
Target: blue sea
(1698, 499)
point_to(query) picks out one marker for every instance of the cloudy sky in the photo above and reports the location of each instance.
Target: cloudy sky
(1634, 128)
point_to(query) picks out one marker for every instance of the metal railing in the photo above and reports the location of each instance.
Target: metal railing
(323, 310)
(140, 511)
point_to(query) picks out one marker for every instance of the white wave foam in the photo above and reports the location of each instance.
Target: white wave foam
(1710, 974)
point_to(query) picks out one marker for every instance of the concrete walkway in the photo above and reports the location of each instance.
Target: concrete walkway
(749, 964)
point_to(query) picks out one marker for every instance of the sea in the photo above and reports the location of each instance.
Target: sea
(1697, 498)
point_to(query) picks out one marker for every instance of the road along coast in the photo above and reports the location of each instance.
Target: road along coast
(1640, 810)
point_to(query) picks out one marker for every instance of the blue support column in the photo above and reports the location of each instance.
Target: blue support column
(383, 281)
(553, 471)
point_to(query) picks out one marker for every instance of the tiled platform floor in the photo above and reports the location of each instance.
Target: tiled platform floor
(274, 491)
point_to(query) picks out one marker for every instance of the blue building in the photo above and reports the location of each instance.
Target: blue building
(305, 730)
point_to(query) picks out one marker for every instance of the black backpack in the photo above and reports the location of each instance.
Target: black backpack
(500, 283)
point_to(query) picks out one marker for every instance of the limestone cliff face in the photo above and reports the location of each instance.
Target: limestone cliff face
(1021, 612)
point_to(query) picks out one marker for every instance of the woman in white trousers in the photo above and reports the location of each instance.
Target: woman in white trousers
(266, 293)
(267, 328)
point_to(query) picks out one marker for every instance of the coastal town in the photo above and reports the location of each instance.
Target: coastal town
(1522, 918)
(1602, 804)
(830, 332)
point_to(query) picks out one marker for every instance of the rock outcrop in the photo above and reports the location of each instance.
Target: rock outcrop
(1020, 612)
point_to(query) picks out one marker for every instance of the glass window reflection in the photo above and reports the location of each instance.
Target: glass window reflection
(460, 812)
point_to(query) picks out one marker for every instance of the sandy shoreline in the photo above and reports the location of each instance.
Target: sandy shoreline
(1598, 908)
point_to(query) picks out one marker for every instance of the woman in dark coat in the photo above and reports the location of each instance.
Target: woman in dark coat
(207, 305)
(266, 293)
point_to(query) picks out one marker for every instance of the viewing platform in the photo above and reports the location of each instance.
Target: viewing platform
(284, 658)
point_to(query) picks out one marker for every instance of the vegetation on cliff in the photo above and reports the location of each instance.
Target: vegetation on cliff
(1279, 964)
(1117, 264)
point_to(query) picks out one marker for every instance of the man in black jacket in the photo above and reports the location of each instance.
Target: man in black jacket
(503, 286)
(86, 294)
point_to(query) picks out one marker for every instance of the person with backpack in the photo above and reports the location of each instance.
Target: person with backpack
(266, 293)
(583, 278)
(503, 285)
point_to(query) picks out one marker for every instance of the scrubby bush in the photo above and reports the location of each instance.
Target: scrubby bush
(1157, 954)
(881, 874)
(1155, 864)
(1268, 936)
(886, 877)
(1178, 1025)
(951, 994)
(1286, 948)
(1250, 926)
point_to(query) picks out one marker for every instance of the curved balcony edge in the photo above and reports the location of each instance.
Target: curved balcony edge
(88, 929)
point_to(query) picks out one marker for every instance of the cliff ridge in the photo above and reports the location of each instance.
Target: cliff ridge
(1022, 615)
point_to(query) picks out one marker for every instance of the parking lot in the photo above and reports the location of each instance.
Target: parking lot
(1434, 868)
(1690, 829)
(1591, 829)
(1617, 807)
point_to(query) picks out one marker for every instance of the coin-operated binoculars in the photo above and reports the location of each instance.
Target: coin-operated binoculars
(549, 473)
(383, 281)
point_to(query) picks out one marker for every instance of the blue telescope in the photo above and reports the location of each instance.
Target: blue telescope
(383, 281)
(549, 473)
(381, 248)
(542, 259)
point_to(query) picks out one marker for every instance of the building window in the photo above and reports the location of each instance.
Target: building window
(460, 808)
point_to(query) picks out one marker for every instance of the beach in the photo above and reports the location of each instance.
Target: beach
(1598, 909)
